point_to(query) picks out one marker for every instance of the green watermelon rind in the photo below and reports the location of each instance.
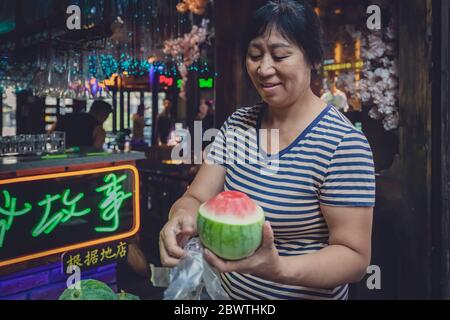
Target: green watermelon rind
(230, 241)
(89, 290)
(127, 296)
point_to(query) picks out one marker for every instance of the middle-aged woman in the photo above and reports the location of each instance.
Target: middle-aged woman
(318, 202)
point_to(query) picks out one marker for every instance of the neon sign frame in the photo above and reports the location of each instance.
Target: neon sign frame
(91, 243)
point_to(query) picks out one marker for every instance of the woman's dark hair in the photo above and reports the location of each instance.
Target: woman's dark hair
(295, 20)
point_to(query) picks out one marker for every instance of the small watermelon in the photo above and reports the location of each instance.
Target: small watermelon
(230, 225)
(127, 296)
(89, 290)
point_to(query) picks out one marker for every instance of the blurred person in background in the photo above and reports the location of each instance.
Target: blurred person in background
(85, 129)
(165, 123)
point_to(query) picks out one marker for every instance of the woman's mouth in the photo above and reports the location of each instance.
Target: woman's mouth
(269, 87)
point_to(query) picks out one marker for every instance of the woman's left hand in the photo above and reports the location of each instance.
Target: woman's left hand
(265, 263)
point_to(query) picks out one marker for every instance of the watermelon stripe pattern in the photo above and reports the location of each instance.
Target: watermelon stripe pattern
(233, 242)
(330, 163)
(230, 225)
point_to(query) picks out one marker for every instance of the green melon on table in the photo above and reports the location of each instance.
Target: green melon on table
(127, 296)
(230, 225)
(89, 290)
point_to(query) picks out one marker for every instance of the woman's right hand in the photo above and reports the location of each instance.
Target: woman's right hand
(182, 224)
(175, 235)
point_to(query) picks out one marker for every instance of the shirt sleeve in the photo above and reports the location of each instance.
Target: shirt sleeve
(350, 180)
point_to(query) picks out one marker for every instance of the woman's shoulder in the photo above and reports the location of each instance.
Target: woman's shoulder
(335, 119)
(334, 130)
(336, 125)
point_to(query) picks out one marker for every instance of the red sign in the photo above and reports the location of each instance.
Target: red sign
(168, 81)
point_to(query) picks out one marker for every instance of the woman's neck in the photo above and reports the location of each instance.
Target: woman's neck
(291, 114)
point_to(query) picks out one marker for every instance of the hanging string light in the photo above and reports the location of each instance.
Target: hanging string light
(197, 7)
(138, 28)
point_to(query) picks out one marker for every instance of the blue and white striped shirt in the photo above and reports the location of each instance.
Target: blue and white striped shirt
(330, 163)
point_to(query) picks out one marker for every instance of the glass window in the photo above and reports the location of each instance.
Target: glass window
(360, 71)
(148, 117)
(148, 101)
(135, 101)
(9, 111)
(51, 101)
(125, 111)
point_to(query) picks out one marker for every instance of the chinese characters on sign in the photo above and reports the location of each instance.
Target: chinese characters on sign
(114, 196)
(63, 212)
(47, 225)
(9, 212)
(96, 257)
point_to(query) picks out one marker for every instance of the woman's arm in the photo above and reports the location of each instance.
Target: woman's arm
(344, 261)
(208, 183)
(182, 223)
(346, 258)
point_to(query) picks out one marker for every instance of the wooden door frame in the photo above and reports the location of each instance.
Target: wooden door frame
(441, 160)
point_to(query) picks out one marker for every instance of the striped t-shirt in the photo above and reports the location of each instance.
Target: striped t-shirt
(330, 163)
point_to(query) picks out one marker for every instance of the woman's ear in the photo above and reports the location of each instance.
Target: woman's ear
(316, 66)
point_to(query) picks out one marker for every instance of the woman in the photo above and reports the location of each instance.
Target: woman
(165, 123)
(318, 202)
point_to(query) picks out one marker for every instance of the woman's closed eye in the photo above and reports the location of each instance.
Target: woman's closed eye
(255, 56)
(280, 58)
(260, 56)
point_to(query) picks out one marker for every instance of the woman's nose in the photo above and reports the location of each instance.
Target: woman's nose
(266, 67)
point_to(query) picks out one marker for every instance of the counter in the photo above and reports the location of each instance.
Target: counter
(19, 166)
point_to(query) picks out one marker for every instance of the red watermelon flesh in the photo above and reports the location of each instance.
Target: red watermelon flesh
(230, 225)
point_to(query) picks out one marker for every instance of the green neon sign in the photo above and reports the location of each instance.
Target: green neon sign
(114, 198)
(109, 208)
(206, 83)
(66, 211)
(46, 224)
(10, 212)
(179, 83)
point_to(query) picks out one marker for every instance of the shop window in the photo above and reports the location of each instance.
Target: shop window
(135, 101)
(9, 111)
(359, 73)
(148, 102)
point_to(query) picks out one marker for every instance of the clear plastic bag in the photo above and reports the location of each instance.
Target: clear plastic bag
(192, 279)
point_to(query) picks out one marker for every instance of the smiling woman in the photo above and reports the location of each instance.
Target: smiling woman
(318, 202)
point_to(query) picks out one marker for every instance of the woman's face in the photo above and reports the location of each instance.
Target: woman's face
(278, 69)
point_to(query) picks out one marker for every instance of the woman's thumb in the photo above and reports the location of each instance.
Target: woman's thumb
(268, 237)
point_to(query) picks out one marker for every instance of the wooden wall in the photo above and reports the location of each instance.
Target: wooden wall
(233, 88)
(410, 236)
(443, 116)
